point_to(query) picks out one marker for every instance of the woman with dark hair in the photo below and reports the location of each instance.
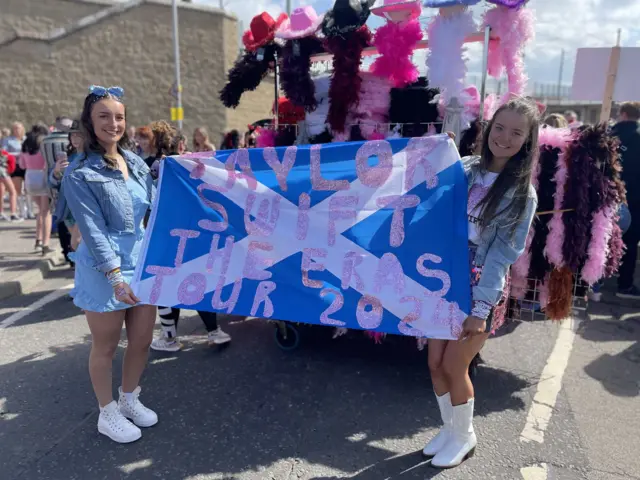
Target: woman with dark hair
(501, 206)
(36, 184)
(231, 141)
(109, 190)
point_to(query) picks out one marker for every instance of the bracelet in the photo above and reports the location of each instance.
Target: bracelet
(481, 309)
(114, 277)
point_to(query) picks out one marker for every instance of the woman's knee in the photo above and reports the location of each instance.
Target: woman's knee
(454, 368)
(104, 350)
(435, 366)
(140, 344)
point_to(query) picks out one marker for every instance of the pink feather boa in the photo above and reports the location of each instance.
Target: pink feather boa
(447, 68)
(266, 138)
(515, 28)
(396, 43)
(601, 231)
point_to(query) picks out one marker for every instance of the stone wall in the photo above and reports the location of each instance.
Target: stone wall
(42, 79)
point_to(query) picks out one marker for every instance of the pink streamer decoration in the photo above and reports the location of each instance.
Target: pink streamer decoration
(395, 43)
(515, 28)
(601, 231)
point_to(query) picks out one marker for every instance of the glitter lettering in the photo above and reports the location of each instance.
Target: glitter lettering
(281, 169)
(224, 254)
(182, 244)
(399, 203)
(264, 223)
(416, 312)
(308, 265)
(375, 176)
(439, 274)
(349, 264)
(160, 273)
(389, 272)
(221, 212)
(241, 158)
(369, 319)
(262, 295)
(317, 182)
(253, 262)
(191, 289)
(336, 304)
(338, 211)
(216, 299)
(418, 151)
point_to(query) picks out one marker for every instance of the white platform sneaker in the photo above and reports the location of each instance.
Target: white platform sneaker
(135, 411)
(446, 412)
(114, 425)
(462, 442)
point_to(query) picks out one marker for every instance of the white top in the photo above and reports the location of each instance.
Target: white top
(477, 192)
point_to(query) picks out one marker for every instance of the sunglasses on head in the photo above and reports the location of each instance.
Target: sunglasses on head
(99, 91)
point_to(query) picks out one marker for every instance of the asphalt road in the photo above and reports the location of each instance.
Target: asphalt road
(344, 408)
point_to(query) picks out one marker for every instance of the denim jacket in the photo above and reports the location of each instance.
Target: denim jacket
(101, 204)
(498, 249)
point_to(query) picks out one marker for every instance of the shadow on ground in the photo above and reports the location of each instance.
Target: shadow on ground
(250, 407)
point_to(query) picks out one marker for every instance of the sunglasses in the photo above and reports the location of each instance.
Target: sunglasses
(99, 91)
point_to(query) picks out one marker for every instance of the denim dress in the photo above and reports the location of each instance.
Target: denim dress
(110, 213)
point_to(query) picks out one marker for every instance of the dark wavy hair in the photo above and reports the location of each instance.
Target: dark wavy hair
(91, 143)
(517, 172)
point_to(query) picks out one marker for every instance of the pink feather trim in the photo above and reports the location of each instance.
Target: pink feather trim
(515, 28)
(266, 138)
(445, 62)
(601, 231)
(396, 43)
(555, 238)
(520, 269)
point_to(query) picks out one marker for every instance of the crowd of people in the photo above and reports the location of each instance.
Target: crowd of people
(100, 178)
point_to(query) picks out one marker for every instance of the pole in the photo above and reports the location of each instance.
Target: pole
(289, 7)
(610, 85)
(277, 90)
(177, 114)
(560, 74)
(485, 66)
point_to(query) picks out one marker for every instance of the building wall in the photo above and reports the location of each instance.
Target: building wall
(41, 80)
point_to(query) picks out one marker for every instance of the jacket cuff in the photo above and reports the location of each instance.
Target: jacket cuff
(108, 265)
(481, 309)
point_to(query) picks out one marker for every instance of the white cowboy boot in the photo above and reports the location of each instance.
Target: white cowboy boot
(462, 442)
(446, 412)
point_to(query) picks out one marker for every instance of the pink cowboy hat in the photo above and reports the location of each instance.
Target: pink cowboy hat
(412, 7)
(304, 22)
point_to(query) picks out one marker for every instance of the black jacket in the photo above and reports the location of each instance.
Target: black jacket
(629, 134)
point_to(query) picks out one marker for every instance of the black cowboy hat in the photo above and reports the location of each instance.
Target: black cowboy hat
(346, 16)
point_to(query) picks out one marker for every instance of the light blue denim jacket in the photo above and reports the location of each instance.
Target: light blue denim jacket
(498, 249)
(101, 204)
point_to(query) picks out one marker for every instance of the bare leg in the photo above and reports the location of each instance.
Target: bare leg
(17, 185)
(139, 321)
(457, 358)
(7, 184)
(39, 221)
(435, 350)
(2, 195)
(45, 213)
(105, 334)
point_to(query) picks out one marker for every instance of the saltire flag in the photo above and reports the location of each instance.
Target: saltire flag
(361, 235)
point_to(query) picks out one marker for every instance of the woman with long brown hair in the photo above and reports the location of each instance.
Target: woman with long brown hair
(109, 191)
(201, 142)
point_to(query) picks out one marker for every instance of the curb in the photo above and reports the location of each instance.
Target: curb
(28, 280)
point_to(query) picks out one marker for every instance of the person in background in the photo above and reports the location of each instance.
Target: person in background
(556, 120)
(110, 191)
(250, 140)
(7, 167)
(37, 185)
(201, 142)
(13, 145)
(231, 141)
(164, 135)
(62, 214)
(146, 141)
(133, 142)
(179, 144)
(54, 149)
(4, 133)
(572, 119)
(628, 132)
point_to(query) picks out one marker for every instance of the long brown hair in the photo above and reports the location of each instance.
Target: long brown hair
(91, 143)
(517, 172)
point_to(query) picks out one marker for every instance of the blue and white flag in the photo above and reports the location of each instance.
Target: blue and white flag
(365, 235)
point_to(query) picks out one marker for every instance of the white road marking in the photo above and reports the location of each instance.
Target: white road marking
(549, 385)
(51, 297)
(535, 472)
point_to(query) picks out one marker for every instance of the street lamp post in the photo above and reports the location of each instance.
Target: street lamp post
(177, 112)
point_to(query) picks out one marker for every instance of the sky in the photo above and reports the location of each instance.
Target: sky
(560, 24)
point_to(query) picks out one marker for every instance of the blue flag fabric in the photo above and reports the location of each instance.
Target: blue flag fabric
(363, 235)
